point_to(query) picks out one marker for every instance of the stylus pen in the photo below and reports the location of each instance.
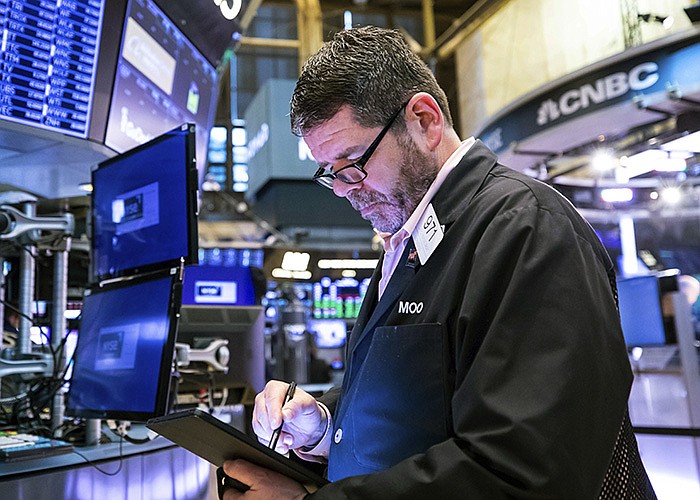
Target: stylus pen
(287, 398)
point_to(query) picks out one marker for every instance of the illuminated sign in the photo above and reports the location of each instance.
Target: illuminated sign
(229, 11)
(48, 59)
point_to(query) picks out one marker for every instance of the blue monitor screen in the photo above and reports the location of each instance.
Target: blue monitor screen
(640, 311)
(125, 346)
(161, 80)
(144, 208)
(49, 60)
(220, 285)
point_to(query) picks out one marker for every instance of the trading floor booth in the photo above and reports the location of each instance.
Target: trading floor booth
(621, 140)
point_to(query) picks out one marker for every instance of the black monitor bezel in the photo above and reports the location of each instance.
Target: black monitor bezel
(166, 362)
(191, 185)
(240, 380)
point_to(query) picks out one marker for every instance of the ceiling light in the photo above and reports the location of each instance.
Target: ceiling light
(295, 261)
(284, 274)
(688, 143)
(603, 160)
(616, 195)
(347, 263)
(654, 160)
(671, 195)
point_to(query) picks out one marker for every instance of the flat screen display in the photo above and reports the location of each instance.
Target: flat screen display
(144, 208)
(338, 298)
(161, 80)
(49, 60)
(219, 285)
(244, 328)
(640, 311)
(124, 353)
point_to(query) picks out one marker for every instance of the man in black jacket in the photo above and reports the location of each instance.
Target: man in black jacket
(487, 360)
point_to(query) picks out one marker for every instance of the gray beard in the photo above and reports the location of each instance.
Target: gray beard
(417, 172)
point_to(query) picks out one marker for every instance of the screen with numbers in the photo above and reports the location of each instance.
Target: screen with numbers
(49, 60)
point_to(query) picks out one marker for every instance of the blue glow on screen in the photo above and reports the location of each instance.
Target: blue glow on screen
(49, 59)
(218, 285)
(640, 311)
(140, 207)
(120, 346)
(161, 81)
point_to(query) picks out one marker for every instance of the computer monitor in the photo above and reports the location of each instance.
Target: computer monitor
(123, 359)
(244, 328)
(218, 285)
(49, 54)
(640, 311)
(144, 208)
(161, 80)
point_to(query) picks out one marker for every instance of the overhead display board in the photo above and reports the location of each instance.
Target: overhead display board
(48, 61)
(161, 81)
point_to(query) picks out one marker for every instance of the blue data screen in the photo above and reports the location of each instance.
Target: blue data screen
(162, 80)
(640, 311)
(48, 60)
(120, 348)
(140, 208)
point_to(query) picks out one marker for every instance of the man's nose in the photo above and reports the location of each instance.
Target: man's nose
(342, 189)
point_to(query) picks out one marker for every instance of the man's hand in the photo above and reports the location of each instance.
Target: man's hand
(264, 483)
(304, 420)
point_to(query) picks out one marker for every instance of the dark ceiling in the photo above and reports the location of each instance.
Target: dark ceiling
(209, 30)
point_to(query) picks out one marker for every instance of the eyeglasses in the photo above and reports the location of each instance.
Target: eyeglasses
(355, 172)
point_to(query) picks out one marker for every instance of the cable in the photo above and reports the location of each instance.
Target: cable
(7, 304)
(106, 473)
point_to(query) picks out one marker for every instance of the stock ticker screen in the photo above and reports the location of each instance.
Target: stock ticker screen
(161, 81)
(49, 57)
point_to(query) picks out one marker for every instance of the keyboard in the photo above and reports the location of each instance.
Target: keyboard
(28, 446)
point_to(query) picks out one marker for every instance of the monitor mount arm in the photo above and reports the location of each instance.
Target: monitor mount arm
(14, 223)
(41, 365)
(216, 355)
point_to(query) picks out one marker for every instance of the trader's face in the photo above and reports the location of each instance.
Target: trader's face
(398, 173)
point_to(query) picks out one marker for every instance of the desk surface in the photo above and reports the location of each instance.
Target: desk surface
(97, 453)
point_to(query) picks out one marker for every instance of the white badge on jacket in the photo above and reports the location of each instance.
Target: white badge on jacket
(428, 234)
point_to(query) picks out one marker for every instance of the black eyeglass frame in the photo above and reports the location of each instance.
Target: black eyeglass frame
(325, 178)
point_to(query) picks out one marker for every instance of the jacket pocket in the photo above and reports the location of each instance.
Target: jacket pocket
(399, 403)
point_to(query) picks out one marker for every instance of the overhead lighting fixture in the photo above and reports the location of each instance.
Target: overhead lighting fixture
(295, 261)
(280, 273)
(671, 195)
(688, 143)
(603, 161)
(616, 195)
(654, 160)
(347, 263)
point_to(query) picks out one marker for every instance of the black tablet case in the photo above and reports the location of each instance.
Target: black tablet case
(215, 441)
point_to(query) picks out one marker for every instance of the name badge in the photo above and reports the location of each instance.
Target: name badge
(428, 234)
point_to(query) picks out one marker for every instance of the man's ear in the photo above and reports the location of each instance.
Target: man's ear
(424, 118)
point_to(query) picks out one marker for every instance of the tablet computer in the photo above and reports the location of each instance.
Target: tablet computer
(215, 441)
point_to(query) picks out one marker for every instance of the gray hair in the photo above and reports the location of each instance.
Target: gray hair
(370, 69)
